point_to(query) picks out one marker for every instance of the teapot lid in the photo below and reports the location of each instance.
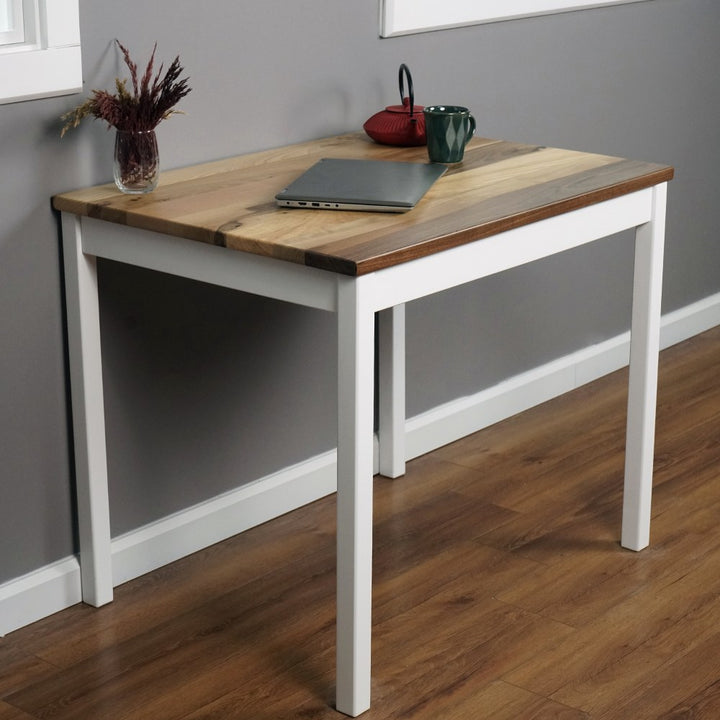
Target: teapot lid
(405, 107)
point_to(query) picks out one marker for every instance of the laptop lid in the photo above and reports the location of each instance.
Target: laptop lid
(350, 184)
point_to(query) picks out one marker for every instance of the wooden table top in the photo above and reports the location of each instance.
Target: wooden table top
(498, 186)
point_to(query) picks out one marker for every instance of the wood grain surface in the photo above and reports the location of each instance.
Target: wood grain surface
(498, 186)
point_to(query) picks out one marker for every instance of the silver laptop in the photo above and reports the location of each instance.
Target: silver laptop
(349, 184)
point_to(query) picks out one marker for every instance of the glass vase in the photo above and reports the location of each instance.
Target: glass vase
(136, 164)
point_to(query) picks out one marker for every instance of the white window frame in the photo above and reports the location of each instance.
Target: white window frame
(16, 32)
(403, 17)
(47, 61)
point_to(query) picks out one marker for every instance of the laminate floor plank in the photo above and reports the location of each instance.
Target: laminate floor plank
(691, 671)
(258, 626)
(19, 668)
(8, 712)
(507, 701)
(177, 588)
(704, 705)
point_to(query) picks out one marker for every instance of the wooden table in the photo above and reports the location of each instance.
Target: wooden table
(505, 205)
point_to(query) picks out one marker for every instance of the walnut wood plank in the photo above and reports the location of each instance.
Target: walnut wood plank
(498, 186)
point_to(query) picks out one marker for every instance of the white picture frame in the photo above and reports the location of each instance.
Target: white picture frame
(404, 17)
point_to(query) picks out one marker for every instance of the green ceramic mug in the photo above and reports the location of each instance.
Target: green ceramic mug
(448, 128)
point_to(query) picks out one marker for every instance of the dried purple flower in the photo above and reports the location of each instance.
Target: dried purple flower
(153, 98)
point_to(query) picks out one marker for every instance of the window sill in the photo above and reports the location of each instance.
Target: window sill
(32, 74)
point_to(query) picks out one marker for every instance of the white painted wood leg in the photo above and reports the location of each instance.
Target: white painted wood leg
(88, 414)
(391, 381)
(642, 393)
(356, 331)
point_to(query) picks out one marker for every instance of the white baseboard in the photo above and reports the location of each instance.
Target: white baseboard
(55, 587)
(458, 418)
(50, 589)
(38, 594)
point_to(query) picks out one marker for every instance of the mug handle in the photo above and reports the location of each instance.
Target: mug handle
(471, 129)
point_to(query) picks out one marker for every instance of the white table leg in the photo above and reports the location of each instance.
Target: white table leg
(391, 381)
(83, 320)
(642, 393)
(354, 494)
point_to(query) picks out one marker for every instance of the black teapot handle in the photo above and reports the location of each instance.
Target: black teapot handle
(405, 68)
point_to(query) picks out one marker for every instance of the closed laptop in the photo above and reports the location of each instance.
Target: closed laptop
(351, 184)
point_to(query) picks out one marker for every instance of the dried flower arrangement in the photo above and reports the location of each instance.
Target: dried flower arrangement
(135, 116)
(153, 98)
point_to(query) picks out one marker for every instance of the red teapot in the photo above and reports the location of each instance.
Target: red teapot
(402, 125)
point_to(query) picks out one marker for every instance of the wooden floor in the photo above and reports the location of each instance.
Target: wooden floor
(501, 591)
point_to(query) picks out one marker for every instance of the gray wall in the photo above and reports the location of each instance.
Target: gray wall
(199, 397)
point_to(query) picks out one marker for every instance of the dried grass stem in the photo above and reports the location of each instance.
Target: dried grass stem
(153, 98)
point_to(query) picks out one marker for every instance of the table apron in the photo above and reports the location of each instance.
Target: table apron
(518, 246)
(256, 274)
